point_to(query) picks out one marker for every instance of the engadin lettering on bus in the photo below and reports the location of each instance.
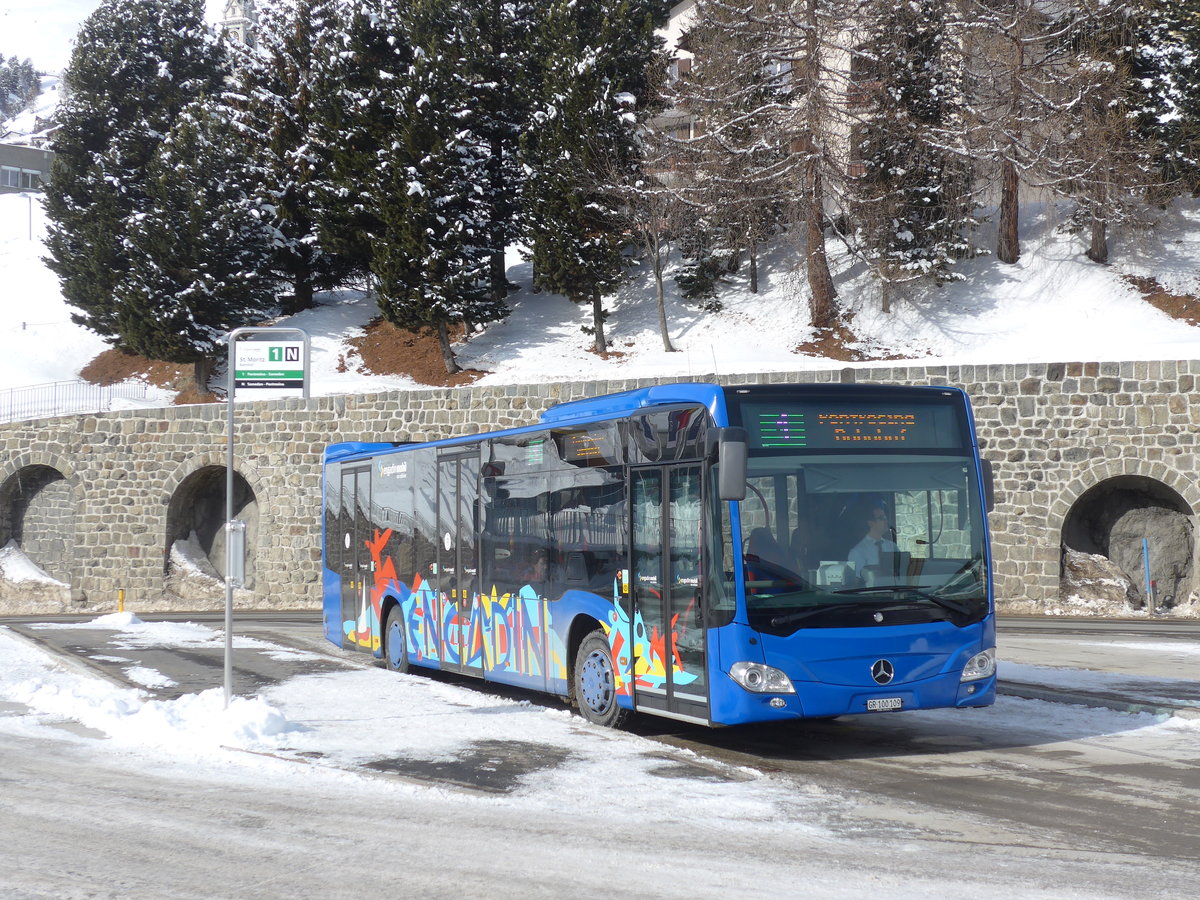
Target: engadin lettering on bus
(390, 469)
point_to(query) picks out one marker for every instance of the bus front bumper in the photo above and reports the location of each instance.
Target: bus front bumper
(815, 700)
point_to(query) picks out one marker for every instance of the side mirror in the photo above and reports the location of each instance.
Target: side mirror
(732, 454)
(989, 485)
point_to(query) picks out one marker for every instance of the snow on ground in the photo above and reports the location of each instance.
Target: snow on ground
(348, 718)
(323, 745)
(1054, 305)
(1066, 678)
(17, 567)
(30, 122)
(352, 717)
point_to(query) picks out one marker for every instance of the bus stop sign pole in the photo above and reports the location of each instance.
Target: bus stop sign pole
(264, 364)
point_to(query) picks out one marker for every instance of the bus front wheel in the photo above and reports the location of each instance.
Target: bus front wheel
(395, 647)
(595, 683)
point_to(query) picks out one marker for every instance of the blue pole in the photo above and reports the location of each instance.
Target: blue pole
(1146, 566)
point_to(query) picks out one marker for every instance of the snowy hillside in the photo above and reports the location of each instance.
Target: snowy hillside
(29, 124)
(1053, 305)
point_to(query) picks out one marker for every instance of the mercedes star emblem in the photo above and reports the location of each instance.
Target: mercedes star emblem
(882, 671)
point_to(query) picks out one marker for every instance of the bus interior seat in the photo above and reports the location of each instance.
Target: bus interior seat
(892, 565)
(575, 568)
(762, 546)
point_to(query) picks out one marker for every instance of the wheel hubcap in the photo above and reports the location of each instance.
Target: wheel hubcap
(596, 682)
(395, 645)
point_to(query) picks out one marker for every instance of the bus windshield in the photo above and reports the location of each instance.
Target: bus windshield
(859, 539)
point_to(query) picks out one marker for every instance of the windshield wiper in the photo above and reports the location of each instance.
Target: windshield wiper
(944, 602)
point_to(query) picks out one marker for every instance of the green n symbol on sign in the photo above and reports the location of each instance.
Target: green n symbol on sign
(274, 354)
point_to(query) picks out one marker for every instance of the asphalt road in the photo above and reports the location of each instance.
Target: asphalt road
(1074, 792)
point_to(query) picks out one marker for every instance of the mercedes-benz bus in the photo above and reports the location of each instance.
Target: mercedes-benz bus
(713, 554)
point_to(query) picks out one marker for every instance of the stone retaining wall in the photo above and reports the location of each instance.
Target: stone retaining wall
(1053, 432)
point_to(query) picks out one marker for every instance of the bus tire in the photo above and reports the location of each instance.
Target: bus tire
(395, 646)
(594, 682)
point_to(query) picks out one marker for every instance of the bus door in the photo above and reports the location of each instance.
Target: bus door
(458, 562)
(670, 664)
(357, 565)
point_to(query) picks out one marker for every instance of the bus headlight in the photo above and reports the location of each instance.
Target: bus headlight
(981, 665)
(761, 679)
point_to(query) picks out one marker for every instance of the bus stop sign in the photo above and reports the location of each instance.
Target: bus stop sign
(269, 366)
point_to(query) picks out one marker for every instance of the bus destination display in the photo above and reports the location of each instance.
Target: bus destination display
(804, 427)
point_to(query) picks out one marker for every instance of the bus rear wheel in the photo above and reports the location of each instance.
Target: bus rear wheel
(595, 684)
(395, 647)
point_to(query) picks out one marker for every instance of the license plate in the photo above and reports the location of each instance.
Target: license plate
(883, 703)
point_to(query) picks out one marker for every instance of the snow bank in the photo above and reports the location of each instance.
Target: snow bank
(24, 586)
(193, 725)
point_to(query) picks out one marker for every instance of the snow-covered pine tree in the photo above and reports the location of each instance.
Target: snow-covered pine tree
(910, 194)
(433, 256)
(500, 73)
(740, 168)
(1165, 71)
(349, 126)
(200, 255)
(18, 85)
(592, 78)
(1099, 156)
(135, 66)
(274, 98)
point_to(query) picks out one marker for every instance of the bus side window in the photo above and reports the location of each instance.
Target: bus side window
(425, 510)
(392, 505)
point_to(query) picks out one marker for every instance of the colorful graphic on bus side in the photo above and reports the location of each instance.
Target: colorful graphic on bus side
(505, 634)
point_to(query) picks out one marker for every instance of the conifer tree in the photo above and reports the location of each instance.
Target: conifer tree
(136, 65)
(500, 75)
(1165, 80)
(912, 200)
(274, 100)
(350, 126)
(18, 85)
(432, 258)
(411, 165)
(592, 88)
(200, 255)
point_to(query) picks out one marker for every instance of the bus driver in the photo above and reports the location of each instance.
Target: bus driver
(869, 551)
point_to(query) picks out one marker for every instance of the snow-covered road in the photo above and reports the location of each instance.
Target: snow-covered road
(343, 783)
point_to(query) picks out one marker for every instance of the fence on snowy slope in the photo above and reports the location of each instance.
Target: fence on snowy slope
(63, 398)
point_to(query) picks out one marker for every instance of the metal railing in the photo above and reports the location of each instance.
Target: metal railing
(63, 398)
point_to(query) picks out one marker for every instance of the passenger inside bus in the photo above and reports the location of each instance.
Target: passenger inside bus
(537, 573)
(803, 551)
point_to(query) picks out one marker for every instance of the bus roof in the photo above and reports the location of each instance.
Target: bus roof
(608, 406)
(630, 401)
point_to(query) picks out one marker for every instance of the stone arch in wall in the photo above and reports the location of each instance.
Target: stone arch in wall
(37, 513)
(195, 530)
(1130, 517)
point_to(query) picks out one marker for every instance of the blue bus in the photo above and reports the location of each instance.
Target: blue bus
(713, 554)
